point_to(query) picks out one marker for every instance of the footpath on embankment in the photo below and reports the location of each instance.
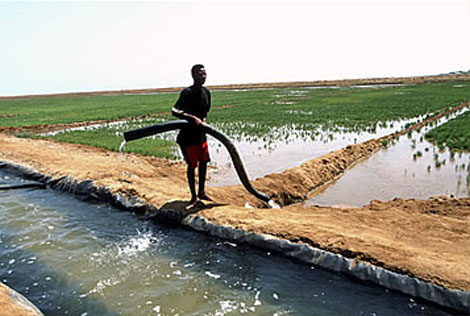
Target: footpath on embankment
(424, 239)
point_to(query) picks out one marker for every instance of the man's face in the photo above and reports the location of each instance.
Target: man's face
(200, 76)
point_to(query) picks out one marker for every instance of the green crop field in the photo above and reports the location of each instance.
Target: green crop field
(252, 113)
(64, 110)
(351, 108)
(454, 134)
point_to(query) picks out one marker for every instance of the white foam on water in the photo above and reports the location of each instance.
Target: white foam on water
(156, 309)
(257, 301)
(125, 250)
(273, 204)
(102, 285)
(136, 244)
(226, 307)
(212, 275)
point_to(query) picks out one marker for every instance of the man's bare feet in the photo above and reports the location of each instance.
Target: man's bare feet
(204, 196)
(193, 200)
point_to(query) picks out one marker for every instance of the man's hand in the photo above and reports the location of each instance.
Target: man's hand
(197, 121)
(189, 117)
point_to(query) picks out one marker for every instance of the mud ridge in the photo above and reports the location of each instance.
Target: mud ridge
(13, 303)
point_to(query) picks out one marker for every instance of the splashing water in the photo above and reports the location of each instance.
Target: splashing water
(273, 204)
(122, 146)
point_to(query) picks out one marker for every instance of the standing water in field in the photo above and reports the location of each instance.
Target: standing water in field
(285, 148)
(410, 167)
(70, 257)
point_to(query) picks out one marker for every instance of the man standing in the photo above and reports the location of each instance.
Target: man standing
(193, 105)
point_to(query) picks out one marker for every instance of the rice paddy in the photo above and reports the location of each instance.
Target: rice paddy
(265, 115)
(455, 134)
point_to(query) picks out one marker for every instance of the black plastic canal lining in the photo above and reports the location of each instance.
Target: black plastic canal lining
(234, 155)
(23, 186)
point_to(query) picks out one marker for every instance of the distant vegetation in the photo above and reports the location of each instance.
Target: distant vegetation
(355, 109)
(240, 112)
(70, 109)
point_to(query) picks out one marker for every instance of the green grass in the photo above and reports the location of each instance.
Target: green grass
(56, 110)
(350, 108)
(110, 139)
(269, 113)
(455, 134)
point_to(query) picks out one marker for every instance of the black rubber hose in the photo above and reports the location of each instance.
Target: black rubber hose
(236, 159)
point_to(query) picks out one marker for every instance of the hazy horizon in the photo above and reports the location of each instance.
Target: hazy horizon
(225, 84)
(63, 47)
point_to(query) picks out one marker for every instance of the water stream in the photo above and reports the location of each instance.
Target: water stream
(72, 257)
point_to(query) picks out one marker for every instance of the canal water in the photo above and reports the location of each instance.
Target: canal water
(75, 257)
(410, 167)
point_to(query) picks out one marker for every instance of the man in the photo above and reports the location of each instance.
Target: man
(193, 105)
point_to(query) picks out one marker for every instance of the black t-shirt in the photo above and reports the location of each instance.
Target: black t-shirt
(196, 102)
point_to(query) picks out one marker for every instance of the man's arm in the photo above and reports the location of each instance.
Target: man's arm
(178, 111)
(185, 116)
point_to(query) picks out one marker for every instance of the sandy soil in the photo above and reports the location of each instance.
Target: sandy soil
(11, 304)
(429, 239)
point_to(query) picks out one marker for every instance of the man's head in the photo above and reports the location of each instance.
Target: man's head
(199, 74)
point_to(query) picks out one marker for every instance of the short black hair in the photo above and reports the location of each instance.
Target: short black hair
(195, 69)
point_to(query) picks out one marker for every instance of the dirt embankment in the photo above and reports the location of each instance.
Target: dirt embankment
(424, 238)
(12, 303)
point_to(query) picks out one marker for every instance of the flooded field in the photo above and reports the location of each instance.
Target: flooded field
(410, 167)
(285, 148)
(71, 257)
(277, 150)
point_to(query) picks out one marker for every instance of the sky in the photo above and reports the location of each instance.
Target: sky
(55, 47)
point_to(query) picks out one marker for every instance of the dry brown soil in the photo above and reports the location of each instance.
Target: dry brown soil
(10, 305)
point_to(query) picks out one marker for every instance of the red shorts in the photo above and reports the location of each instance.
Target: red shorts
(195, 153)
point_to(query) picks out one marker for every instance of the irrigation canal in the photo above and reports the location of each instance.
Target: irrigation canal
(73, 257)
